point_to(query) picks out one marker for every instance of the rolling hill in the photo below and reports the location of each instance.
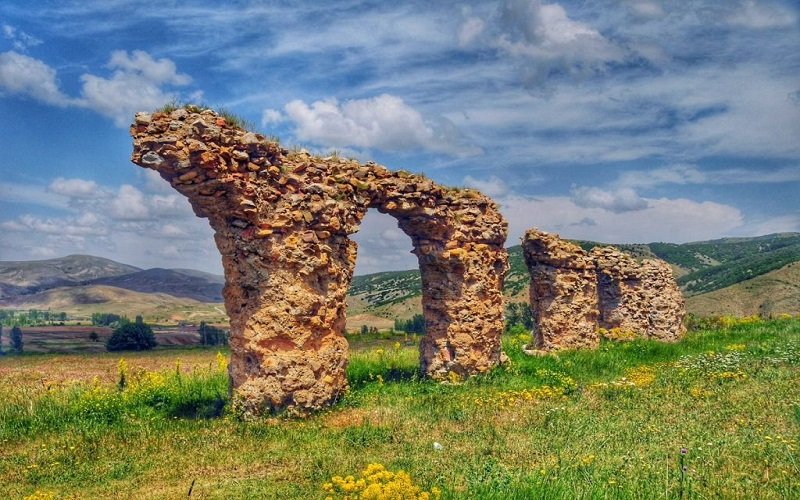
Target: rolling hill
(771, 293)
(700, 268)
(183, 283)
(725, 276)
(83, 300)
(22, 277)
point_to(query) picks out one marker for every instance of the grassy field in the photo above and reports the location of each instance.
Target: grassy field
(717, 415)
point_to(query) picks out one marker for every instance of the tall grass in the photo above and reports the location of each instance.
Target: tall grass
(715, 415)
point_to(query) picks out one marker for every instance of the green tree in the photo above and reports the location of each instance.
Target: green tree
(94, 337)
(1, 339)
(364, 329)
(211, 335)
(16, 339)
(203, 333)
(136, 336)
(518, 313)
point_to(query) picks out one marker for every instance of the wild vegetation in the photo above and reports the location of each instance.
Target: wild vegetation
(715, 415)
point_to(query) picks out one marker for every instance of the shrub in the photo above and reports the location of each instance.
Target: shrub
(16, 339)
(136, 336)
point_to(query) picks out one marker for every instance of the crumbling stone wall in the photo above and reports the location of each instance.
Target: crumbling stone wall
(282, 219)
(563, 292)
(638, 297)
(573, 294)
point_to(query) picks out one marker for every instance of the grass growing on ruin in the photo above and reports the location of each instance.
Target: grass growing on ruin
(715, 415)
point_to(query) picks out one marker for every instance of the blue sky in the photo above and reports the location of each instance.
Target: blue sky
(618, 121)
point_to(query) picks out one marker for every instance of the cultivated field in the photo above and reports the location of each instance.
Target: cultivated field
(76, 339)
(717, 415)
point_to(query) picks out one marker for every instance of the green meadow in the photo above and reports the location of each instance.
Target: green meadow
(716, 415)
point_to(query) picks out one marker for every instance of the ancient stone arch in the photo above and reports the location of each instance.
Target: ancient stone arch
(282, 219)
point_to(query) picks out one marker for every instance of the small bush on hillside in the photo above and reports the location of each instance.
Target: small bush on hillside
(16, 339)
(136, 336)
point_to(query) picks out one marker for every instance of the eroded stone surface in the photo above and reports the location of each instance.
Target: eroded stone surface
(638, 297)
(563, 292)
(281, 222)
(573, 294)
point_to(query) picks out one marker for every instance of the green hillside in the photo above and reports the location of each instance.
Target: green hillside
(700, 267)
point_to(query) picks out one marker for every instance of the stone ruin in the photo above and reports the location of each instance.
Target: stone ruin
(563, 293)
(282, 221)
(574, 293)
(638, 297)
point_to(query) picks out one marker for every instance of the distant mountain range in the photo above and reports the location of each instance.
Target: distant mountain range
(24, 278)
(726, 276)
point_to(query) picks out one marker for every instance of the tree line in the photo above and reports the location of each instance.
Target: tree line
(31, 317)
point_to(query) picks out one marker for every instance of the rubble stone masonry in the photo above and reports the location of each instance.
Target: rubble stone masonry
(282, 221)
(573, 294)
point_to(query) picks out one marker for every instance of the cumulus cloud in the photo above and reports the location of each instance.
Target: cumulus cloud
(73, 188)
(664, 219)
(614, 200)
(551, 42)
(384, 122)
(20, 40)
(136, 84)
(491, 187)
(129, 204)
(62, 226)
(21, 74)
(124, 223)
(271, 117)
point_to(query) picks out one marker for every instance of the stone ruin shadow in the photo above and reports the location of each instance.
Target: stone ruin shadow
(282, 221)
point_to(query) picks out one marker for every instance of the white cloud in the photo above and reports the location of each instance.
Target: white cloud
(384, 122)
(135, 85)
(154, 183)
(762, 15)
(551, 41)
(20, 74)
(129, 204)
(19, 39)
(470, 30)
(31, 194)
(152, 70)
(492, 187)
(614, 200)
(648, 9)
(690, 174)
(173, 231)
(73, 188)
(170, 205)
(672, 220)
(65, 226)
(271, 117)
(780, 224)
(382, 246)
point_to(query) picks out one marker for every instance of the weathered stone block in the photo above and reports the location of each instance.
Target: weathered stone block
(563, 293)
